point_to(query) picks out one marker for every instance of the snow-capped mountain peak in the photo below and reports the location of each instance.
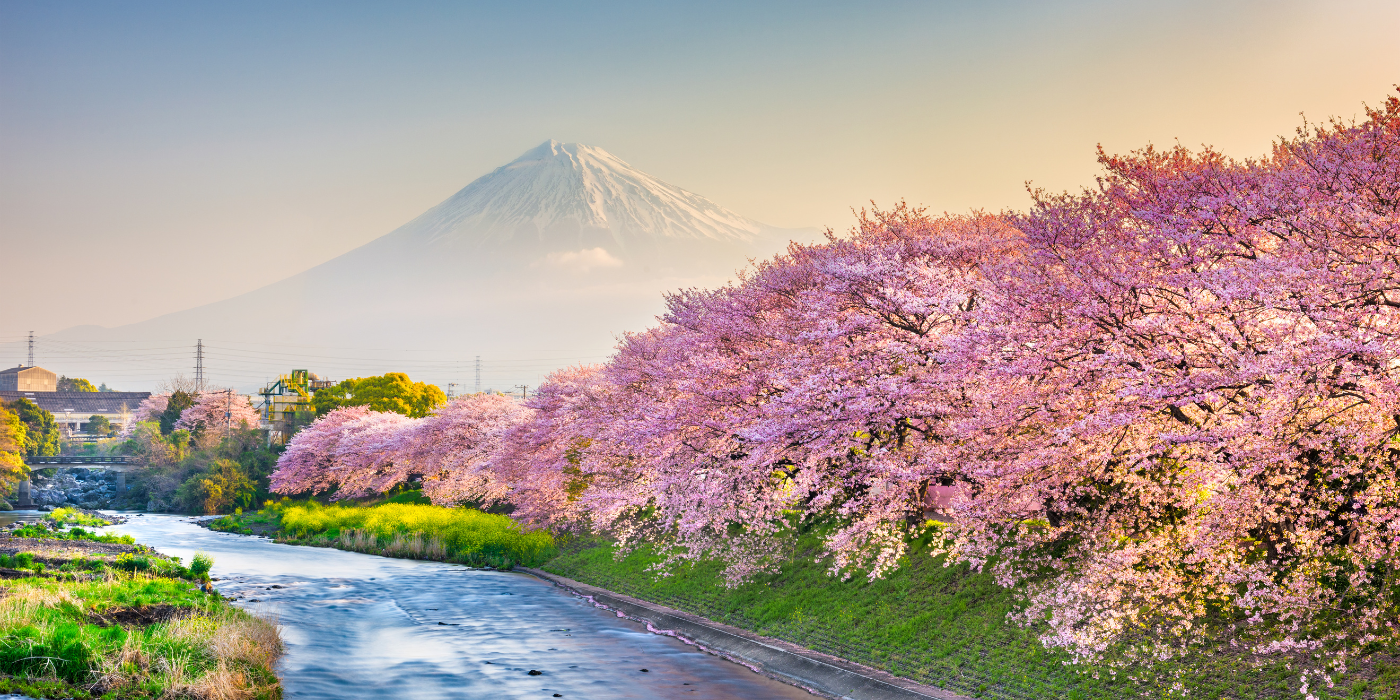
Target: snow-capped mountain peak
(571, 194)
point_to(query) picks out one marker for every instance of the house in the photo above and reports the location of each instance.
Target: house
(23, 378)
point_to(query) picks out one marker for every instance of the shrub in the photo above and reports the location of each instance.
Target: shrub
(71, 516)
(132, 562)
(200, 565)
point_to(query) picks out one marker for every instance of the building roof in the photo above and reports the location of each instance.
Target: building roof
(23, 368)
(80, 403)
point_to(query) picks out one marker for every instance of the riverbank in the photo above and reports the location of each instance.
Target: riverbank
(943, 626)
(940, 626)
(86, 616)
(815, 672)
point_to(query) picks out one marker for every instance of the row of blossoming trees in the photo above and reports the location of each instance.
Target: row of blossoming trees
(1170, 397)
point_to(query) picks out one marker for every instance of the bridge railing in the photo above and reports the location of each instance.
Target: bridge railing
(77, 459)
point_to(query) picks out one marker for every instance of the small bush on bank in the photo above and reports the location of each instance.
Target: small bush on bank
(73, 516)
(23, 561)
(230, 523)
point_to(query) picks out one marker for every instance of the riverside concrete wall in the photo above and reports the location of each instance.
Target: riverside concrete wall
(814, 671)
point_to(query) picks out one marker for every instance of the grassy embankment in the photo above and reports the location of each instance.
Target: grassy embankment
(84, 615)
(399, 527)
(943, 626)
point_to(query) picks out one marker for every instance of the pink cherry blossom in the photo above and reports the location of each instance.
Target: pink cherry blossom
(307, 464)
(216, 410)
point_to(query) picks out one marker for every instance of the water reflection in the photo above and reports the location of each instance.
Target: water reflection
(360, 626)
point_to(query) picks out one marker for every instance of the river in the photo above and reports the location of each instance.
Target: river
(362, 626)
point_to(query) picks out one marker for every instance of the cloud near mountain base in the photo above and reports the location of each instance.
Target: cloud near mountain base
(580, 260)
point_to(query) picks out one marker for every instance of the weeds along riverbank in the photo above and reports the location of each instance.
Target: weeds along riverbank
(399, 528)
(85, 615)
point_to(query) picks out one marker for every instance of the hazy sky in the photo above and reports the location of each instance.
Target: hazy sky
(158, 156)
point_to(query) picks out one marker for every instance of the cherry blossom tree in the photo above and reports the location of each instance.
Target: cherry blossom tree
(308, 465)
(1168, 400)
(368, 456)
(150, 409)
(215, 410)
(360, 453)
(1192, 384)
(453, 449)
(1169, 396)
(540, 456)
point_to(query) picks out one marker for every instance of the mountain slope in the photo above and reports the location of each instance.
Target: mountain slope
(569, 193)
(556, 253)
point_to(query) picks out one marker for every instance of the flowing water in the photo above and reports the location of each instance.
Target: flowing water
(362, 626)
(9, 517)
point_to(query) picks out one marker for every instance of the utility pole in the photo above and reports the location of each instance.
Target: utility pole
(31, 348)
(228, 412)
(478, 374)
(522, 389)
(199, 367)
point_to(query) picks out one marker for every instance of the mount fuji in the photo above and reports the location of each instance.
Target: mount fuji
(553, 255)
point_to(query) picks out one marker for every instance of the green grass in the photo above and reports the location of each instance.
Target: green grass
(54, 642)
(40, 531)
(942, 626)
(230, 523)
(403, 528)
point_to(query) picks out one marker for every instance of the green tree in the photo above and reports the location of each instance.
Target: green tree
(13, 434)
(179, 401)
(220, 489)
(150, 447)
(75, 384)
(390, 392)
(103, 387)
(100, 426)
(41, 430)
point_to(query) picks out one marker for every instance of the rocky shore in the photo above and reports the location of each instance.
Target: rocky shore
(75, 487)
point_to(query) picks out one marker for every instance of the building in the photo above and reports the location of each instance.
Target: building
(287, 405)
(71, 409)
(23, 378)
(74, 408)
